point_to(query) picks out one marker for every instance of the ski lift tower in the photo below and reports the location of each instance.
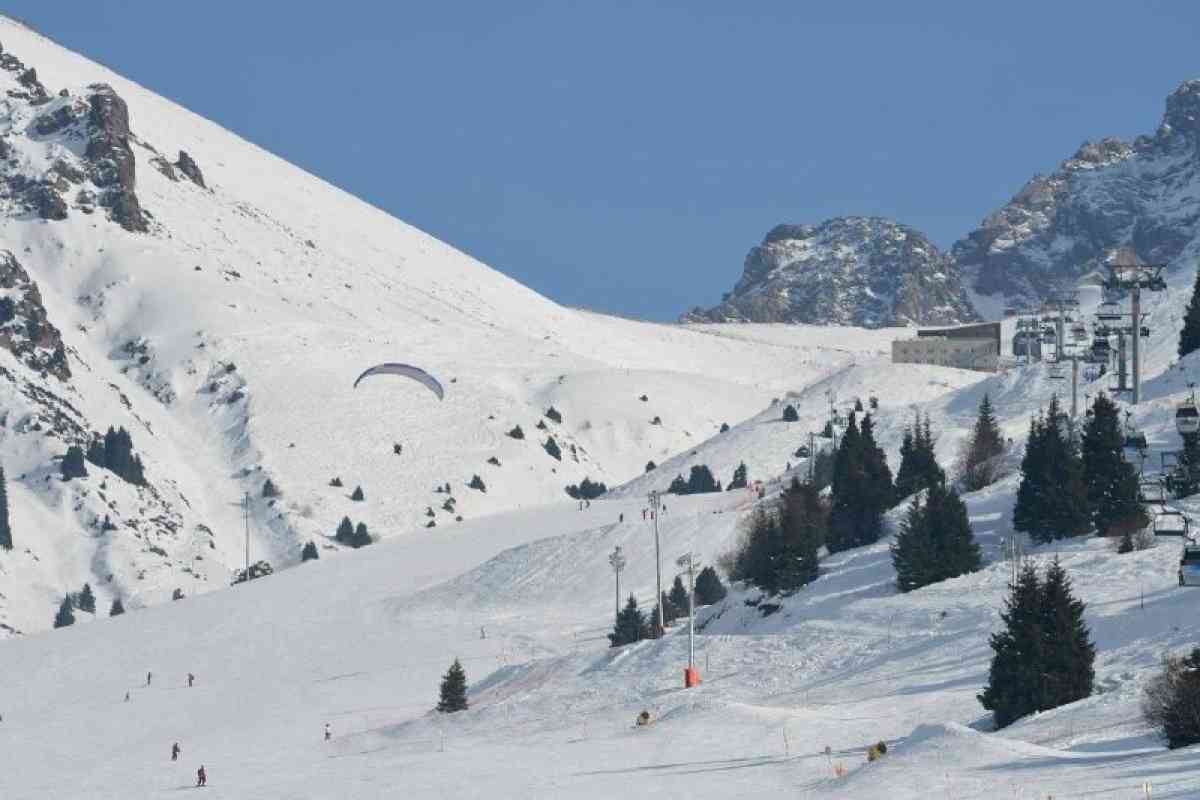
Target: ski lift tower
(1134, 278)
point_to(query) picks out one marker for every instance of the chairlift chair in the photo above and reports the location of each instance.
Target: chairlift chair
(1079, 332)
(1170, 522)
(1189, 565)
(1187, 419)
(1152, 492)
(1109, 312)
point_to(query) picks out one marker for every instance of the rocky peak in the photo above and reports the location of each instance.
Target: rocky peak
(113, 166)
(1183, 111)
(865, 271)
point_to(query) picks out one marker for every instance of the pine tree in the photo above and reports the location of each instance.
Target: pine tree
(117, 608)
(269, 489)
(1068, 669)
(935, 540)
(1189, 337)
(913, 555)
(357, 494)
(345, 531)
(1014, 677)
(650, 466)
(361, 537)
(789, 413)
(86, 600)
(862, 488)
(1052, 497)
(984, 446)
(906, 476)
(517, 433)
(701, 480)
(757, 557)
(309, 552)
(66, 613)
(6, 540)
(804, 527)
(453, 694)
(630, 625)
(678, 486)
(552, 449)
(1171, 701)
(709, 588)
(678, 597)
(73, 465)
(739, 480)
(1112, 484)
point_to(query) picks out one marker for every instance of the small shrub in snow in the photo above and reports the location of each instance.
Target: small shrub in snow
(1171, 701)
(309, 553)
(650, 465)
(269, 489)
(259, 569)
(335, 482)
(656, 421)
(586, 490)
(73, 465)
(477, 483)
(552, 449)
(495, 462)
(553, 414)
(357, 494)
(516, 433)
(789, 414)
(431, 524)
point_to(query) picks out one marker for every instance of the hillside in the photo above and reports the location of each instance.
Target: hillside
(217, 302)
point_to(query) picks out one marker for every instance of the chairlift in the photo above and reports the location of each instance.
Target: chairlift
(1134, 438)
(1152, 492)
(1109, 312)
(1056, 373)
(1079, 332)
(1049, 336)
(802, 451)
(1187, 416)
(1170, 522)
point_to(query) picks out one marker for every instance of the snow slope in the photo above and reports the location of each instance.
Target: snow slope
(227, 336)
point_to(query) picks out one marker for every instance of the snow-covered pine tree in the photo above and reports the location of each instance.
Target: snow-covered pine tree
(1069, 657)
(1189, 337)
(86, 601)
(709, 588)
(1052, 498)
(804, 522)
(269, 489)
(73, 465)
(1013, 687)
(983, 447)
(6, 539)
(345, 531)
(789, 413)
(66, 613)
(1111, 481)
(552, 449)
(309, 552)
(453, 693)
(701, 480)
(650, 466)
(361, 537)
(630, 625)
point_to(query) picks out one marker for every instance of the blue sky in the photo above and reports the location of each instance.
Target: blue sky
(624, 156)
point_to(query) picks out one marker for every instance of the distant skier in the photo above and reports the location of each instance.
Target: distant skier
(149, 676)
(201, 777)
(588, 503)
(328, 733)
(621, 518)
(482, 633)
(175, 752)
(643, 514)
(127, 697)
(191, 679)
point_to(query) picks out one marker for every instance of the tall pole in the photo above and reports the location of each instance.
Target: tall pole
(246, 517)
(1136, 297)
(689, 560)
(1074, 387)
(617, 559)
(654, 509)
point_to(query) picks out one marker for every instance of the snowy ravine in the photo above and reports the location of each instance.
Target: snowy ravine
(171, 278)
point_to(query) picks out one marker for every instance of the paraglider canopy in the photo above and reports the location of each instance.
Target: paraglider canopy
(407, 371)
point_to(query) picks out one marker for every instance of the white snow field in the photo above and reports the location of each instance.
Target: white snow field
(520, 590)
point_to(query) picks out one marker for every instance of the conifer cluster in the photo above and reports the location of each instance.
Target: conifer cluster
(918, 463)
(1052, 500)
(935, 541)
(778, 550)
(114, 452)
(983, 449)
(862, 488)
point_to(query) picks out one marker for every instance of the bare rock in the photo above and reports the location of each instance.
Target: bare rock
(25, 329)
(189, 168)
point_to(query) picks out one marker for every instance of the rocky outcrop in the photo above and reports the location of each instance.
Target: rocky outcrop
(112, 165)
(864, 271)
(1111, 196)
(25, 329)
(188, 167)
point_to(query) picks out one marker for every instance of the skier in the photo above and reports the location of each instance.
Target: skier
(643, 514)
(588, 502)
(175, 752)
(149, 675)
(621, 518)
(191, 679)
(201, 777)
(482, 633)
(328, 733)
(127, 697)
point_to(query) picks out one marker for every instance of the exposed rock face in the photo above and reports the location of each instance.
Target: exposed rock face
(189, 168)
(25, 330)
(112, 165)
(1110, 196)
(864, 271)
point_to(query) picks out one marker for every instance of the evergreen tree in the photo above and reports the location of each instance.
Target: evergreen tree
(478, 484)
(86, 600)
(739, 478)
(724, 427)
(709, 588)
(345, 531)
(858, 406)
(650, 465)
(73, 465)
(862, 488)
(552, 448)
(1015, 674)
(678, 486)
(453, 694)
(918, 461)
(309, 552)
(6, 540)
(756, 559)
(822, 469)
(804, 526)
(1171, 701)
(630, 625)
(1111, 481)
(269, 489)
(1068, 669)
(670, 613)
(361, 537)
(553, 413)
(357, 494)
(1189, 337)
(906, 476)
(935, 540)
(789, 413)
(678, 598)
(517, 433)
(1052, 497)
(983, 447)
(701, 480)
(117, 608)
(66, 613)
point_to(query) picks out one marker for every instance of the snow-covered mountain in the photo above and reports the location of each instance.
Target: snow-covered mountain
(160, 274)
(864, 271)
(1142, 197)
